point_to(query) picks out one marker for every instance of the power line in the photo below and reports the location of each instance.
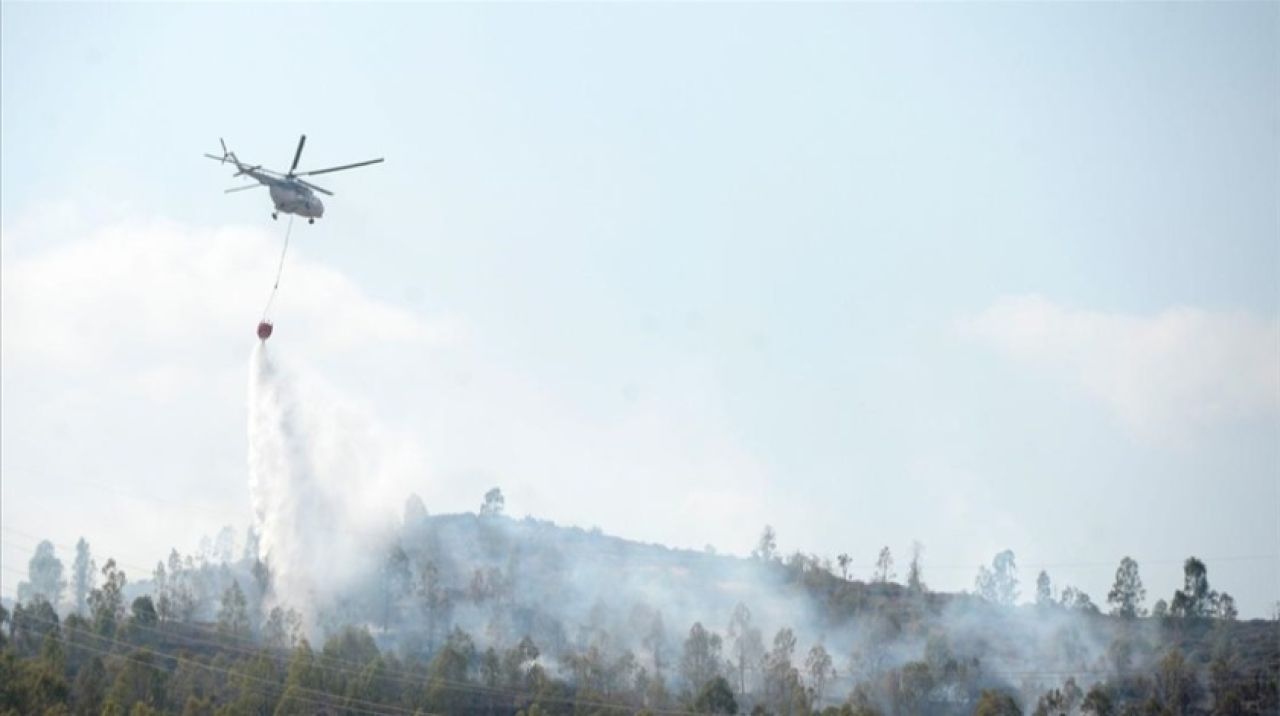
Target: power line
(327, 700)
(328, 697)
(480, 688)
(358, 670)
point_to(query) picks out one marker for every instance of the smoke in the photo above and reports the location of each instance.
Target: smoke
(573, 591)
(321, 506)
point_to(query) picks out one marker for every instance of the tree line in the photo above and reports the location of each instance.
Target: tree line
(204, 635)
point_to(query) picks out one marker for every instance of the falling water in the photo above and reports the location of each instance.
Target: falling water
(290, 511)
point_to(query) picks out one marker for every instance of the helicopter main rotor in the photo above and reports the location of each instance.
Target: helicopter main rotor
(292, 176)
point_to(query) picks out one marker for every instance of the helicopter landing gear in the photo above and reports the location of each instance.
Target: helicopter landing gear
(274, 216)
(311, 221)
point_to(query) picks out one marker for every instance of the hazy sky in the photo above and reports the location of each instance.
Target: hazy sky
(983, 276)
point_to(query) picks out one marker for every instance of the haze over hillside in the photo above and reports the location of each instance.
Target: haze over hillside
(458, 613)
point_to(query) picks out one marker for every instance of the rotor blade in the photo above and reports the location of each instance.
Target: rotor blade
(320, 189)
(224, 146)
(338, 169)
(242, 188)
(298, 155)
(221, 159)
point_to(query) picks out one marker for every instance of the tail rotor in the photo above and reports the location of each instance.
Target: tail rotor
(227, 154)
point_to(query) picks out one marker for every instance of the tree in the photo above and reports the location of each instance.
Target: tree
(494, 503)
(818, 666)
(1176, 686)
(884, 566)
(283, 628)
(1098, 702)
(716, 698)
(447, 670)
(396, 578)
(90, 686)
(434, 600)
(517, 661)
(1225, 607)
(914, 684)
(252, 545)
(491, 669)
(767, 547)
(247, 680)
(783, 690)
(44, 572)
(1160, 609)
(233, 615)
(1044, 590)
(107, 603)
(1195, 599)
(700, 660)
(190, 689)
(1224, 682)
(999, 584)
(915, 570)
(748, 644)
(160, 583)
(181, 603)
(1072, 694)
(1051, 703)
(303, 675)
(355, 646)
(83, 571)
(1077, 599)
(843, 560)
(144, 612)
(783, 651)
(1127, 594)
(996, 703)
(224, 545)
(415, 512)
(32, 623)
(985, 583)
(655, 640)
(33, 686)
(140, 679)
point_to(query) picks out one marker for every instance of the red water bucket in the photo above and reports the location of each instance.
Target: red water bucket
(264, 330)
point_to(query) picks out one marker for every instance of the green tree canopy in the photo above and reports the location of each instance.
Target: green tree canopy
(716, 697)
(1127, 594)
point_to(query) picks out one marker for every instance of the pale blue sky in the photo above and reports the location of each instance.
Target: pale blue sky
(773, 219)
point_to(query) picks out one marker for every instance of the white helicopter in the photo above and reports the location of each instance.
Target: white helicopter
(289, 193)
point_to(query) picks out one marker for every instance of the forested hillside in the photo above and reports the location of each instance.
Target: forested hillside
(486, 614)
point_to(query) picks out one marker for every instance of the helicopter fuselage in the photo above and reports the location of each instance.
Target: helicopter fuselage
(293, 198)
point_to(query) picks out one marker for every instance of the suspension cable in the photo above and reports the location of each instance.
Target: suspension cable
(275, 288)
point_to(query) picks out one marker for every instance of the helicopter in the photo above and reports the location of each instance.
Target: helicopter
(289, 193)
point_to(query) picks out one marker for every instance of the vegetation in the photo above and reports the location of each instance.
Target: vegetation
(489, 615)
